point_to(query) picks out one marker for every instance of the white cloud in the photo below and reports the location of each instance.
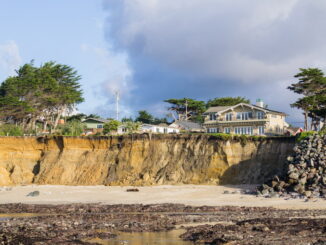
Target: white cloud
(256, 44)
(10, 58)
(118, 76)
(223, 38)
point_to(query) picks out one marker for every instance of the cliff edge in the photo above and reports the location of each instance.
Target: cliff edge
(140, 160)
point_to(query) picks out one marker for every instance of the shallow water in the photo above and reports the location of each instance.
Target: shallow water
(145, 238)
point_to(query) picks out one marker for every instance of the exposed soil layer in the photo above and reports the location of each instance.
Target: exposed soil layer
(76, 223)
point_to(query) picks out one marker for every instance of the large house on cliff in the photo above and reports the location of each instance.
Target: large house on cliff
(245, 119)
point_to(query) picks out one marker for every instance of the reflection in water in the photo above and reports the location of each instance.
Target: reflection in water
(145, 238)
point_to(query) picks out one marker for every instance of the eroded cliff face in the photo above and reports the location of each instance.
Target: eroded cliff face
(140, 160)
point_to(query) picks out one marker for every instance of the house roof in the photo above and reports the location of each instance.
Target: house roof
(188, 125)
(218, 109)
(101, 120)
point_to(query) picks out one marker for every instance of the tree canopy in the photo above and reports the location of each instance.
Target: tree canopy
(227, 101)
(312, 85)
(187, 109)
(39, 93)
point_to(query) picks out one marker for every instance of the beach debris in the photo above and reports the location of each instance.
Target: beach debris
(33, 194)
(132, 190)
(305, 176)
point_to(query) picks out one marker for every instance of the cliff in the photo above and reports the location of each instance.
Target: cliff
(140, 160)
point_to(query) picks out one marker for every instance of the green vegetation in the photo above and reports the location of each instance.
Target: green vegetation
(72, 128)
(227, 101)
(187, 109)
(145, 117)
(306, 134)
(192, 110)
(132, 127)
(111, 126)
(11, 130)
(312, 85)
(42, 93)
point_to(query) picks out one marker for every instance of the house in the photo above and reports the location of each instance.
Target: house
(245, 119)
(161, 128)
(188, 126)
(94, 125)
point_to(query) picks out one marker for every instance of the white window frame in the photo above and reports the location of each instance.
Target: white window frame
(261, 130)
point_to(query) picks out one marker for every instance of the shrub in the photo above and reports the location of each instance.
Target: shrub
(304, 135)
(11, 130)
(72, 128)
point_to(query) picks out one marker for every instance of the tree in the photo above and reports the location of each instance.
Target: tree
(72, 128)
(186, 108)
(127, 119)
(144, 117)
(132, 126)
(39, 93)
(312, 85)
(111, 126)
(77, 117)
(227, 101)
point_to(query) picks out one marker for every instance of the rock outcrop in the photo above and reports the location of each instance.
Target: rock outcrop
(140, 160)
(305, 173)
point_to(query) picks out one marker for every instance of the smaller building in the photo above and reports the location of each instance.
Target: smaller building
(94, 125)
(188, 126)
(159, 129)
(163, 129)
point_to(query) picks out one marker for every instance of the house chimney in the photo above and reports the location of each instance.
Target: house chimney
(260, 103)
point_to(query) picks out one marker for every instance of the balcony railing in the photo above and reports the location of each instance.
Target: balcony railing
(234, 120)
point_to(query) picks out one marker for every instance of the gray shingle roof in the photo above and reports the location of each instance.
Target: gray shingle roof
(187, 125)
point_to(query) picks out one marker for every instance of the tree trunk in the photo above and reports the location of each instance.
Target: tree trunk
(305, 120)
(60, 112)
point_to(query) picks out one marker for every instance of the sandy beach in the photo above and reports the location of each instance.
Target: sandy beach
(195, 195)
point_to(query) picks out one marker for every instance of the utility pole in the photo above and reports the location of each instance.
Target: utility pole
(117, 99)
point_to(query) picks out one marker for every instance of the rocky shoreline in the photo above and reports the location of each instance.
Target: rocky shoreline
(78, 223)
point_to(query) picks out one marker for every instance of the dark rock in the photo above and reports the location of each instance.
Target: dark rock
(33, 194)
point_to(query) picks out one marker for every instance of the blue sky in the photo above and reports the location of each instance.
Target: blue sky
(151, 50)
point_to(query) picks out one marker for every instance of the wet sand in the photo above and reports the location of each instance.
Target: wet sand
(195, 195)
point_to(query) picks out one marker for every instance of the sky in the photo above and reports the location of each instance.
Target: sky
(152, 50)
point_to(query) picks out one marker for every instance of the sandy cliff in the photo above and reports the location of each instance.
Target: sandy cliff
(139, 160)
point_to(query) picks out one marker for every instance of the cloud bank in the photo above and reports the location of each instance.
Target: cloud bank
(214, 48)
(9, 59)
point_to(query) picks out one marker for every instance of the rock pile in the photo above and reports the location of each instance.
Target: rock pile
(305, 174)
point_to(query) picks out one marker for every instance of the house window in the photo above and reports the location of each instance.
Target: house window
(212, 117)
(261, 130)
(157, 130)
(227, 130)
(244, 115)
(165, 130)
(243, 130)
(228, 117)
(260, 115)
(212, 130)
(99, 126)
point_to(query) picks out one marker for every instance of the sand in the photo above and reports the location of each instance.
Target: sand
(196, 195)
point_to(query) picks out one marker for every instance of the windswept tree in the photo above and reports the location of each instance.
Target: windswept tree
(39, 93)
(227, 101)
(312, 85)
(187, 109)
